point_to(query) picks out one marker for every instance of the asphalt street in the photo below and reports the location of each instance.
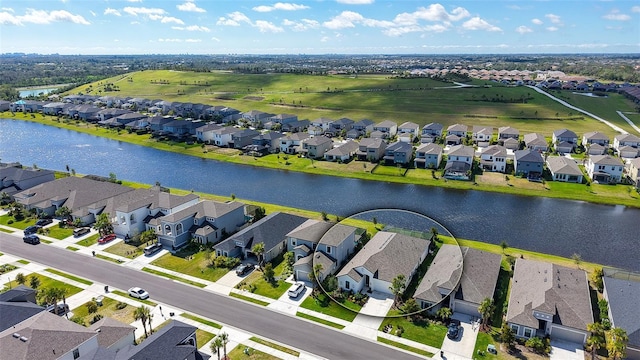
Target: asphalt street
(319, 340)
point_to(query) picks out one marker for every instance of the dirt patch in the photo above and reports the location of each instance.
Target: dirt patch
(254, 98)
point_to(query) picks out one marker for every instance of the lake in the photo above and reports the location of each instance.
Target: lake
(600, 233)
(35, 92)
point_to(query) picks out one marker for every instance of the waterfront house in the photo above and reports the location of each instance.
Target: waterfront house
(528, 163)
(459, 278)
(385, 256)
(224, 136)
(315, 147)
(54, 108)
(371, 149)
(428, 156)
(494, 158)
(205, 133)
(595, 137)
(459, 162)
(458, 130)
(292, 143)
(564, 169)
(5, 105)
(622, 294)
(387, 127)
(536, 142)
(14, 178)
(242, 138)
(343, 152)
(269, 139)
(398, 153)
(633, 171)
(548, 299)
(157, 123)
(605, 169)
(431, 132)
(507, 132)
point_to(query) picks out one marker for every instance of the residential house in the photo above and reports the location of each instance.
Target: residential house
(181, 127)
(408, 132)
(27, 106)
(340, 126)
(296, 126)
(14, 178)
(459, 162)
(459, 278)
(284, 118)
(271, 230)
(318, 242)
(511, 144)
(5, 105)
(431, 132)
(113, 335)
(622, 143)
(536, 142)
(224, 136)
(622, 296)
(242, 138)
(380, 260)
(343, 152)
(548, 299)
(315, 147)
(362, 127)
(232, 119)
(605, 169)
(371, 149)
(54, 108)
(595, 137)
(564, 169)
(322, 124)
(387, 127)
(494, 158)
(482, 134)
(507, 132)
(428, 156)
(156, 123)
(292, 144)
(564, 140)
(219, 112)
(16, 305)
(204, 222)
(452, 140)
(628, 152)
(269, 139)
(398, 153)
(596, 149)
(127, 118)
(131, 213)
(83, 112)
(377, 134)
(205, 133)
(633, 172)
(255, 117)
(529, 163)
(458, 130)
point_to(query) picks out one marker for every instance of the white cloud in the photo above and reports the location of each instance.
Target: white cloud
(635, 9)
(355, 2)
(233, 19)
(302, 25)
(190, 6)
(110, 11)
(7, 9)
(324, 39)
(617, 16)
(476, 23)
(265, 26)
(170, 40)
(92, 13)
(193, 40)
(435, 12)
(537, 21)
(523, 30)
(215, 39)
(555, 19)
(192, 28)
(135, 11)
(280, 6)
(347, 19)
(171, 19)
(552, 28)
(41, 17)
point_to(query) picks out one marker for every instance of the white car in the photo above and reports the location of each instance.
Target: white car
(139, 293)
(296, 289)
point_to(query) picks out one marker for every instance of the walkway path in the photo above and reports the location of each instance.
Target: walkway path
(634, 126)
(608, 123)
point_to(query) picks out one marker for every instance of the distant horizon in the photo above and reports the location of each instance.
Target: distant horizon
(319, 27)
(336, 54)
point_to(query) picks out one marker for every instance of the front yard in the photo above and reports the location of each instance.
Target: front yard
(324, 305)
(191, 262)
(422, 331)
(11, 222)
(46, 283)
(91, 240)
(109, 308)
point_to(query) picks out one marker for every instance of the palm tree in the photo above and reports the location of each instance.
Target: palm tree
(103, 224)
(224, 339)
(596, 339)
(34, 281)
(215, 346)
(486, 309)
(20, 279)
(63, 213)
(142, 313)
(434, 234)
(444, 313)
(258, 249)
(504, 246)
(315, 276)
(398, 285)
(149, 318)
(617, 340)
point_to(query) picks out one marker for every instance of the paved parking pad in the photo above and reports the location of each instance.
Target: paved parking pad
(561, 350)
(464, 344)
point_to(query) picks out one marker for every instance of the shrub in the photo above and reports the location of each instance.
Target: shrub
(121, 305)
(10, 221)
(537, 345)
(78, 320)
(96, 318)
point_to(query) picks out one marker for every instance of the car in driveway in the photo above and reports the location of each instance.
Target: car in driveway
(106, 238)
(60, 309)
(32, 229)
(296, 289)
(80, 231)
(32, 239)
(243, 269)
(454, 329)
(138, 293)
(44, 222)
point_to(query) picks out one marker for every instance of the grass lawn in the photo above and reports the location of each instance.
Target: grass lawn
(405, 347)
(91, 240)
(275, 346)
(5, 230)
(238, 353)
(108, 309)
(122, 293)
(425, 331)
(72, 248)
(320, 321)
(201, 320)
(249, 299)
(262, 287)
(324, 305)
(173, 277)
(22, 261)
(59, 233)
(69, 276)
(203, 337)
(46, 283)
(191, 263)
(108, 258)
(482, 341)
(125, 250)
(23, 224)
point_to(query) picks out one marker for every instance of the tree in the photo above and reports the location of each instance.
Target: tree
(596, 279)
(398, 285)
(536, 344)
(506, 335)
(268, 273)
(148, 236)
(103, 224)
(142, 313)
(149, 318)
(92, 307)
(504, 246)
(410, 307)
(595, 341)
(63, 213)
(486, 309)
(259, 214)
(258, 249)
(215, 346)
(34, 281)
(289, 259)
(434, 234)
(224, 338)
(315, 276)
(577, 259)
(20, 279)
(112, 178)
(444, 313)
(617, 340)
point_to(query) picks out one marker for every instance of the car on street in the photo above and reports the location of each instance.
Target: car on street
(80, 231)
(243, 269)
(454, 329)
(32, 239)
(138, 293)
(106, 238)
(43, 222)
(296, 289)
(32, 229)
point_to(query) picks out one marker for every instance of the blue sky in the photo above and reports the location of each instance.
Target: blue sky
(319, 26)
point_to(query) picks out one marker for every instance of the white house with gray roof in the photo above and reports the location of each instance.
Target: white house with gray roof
(494, 158)
(342, 152)
(564, 169)
(459, 278)
(536, 142)
(384, 257)
(292, 143)
(622, 295)
(316, 146)
(623, 140)
(595, 137)
(605, 169)
(548, 299)
(431, 132)
(387, 127)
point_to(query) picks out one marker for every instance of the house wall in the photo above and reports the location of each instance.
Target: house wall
(84, 349)
(44, 176)
(275, 251)
(124, 342)
(129, 227)
(525, 167)
(520, 331)
(353, 285)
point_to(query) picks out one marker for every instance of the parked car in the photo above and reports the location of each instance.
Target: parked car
(296, 289)
(31, 239)
(152, 249)
(80, 231)
(61, 309)
(138, 293)
(243, 269)
(454, 329)
(32, 229)
(44, 222)
(105, 239)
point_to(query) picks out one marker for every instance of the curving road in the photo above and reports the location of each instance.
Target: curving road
(318, 340)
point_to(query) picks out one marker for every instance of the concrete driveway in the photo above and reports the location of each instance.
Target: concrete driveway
(561, 350)
(231, 279)
(464, 344)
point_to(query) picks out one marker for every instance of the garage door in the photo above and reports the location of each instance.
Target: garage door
(562, 334)
(466, 308)
(302, 275)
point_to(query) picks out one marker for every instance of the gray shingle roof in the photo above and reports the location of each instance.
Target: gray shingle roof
(336, 235)
(495, 150)
(139, 198)
(623, 297)
(461, 150)
(347, 148)
(508, 130)
(430, 148)
(563, 165)
(595, 135)
(605, 160)
(528, 155)
(168, 343)
(551, 289)
(565, 133)
(385, 124)
(208, 208)
(310, 230)
(110, 331)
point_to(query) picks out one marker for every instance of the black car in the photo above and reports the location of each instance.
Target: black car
(31, 239)
(31, 229)
(61, 309)
(243, 269)
(454, 329)
(43, 222)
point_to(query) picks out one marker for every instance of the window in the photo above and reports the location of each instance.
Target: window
(527, 332)
(76, 353)
(122, 220)
(167, 229)
(347, 285)
(179, 229)
(515, 328)
(132, 218)
(328, 249)
(293, 242)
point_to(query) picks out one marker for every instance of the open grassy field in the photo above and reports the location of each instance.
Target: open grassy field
(419, 100)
